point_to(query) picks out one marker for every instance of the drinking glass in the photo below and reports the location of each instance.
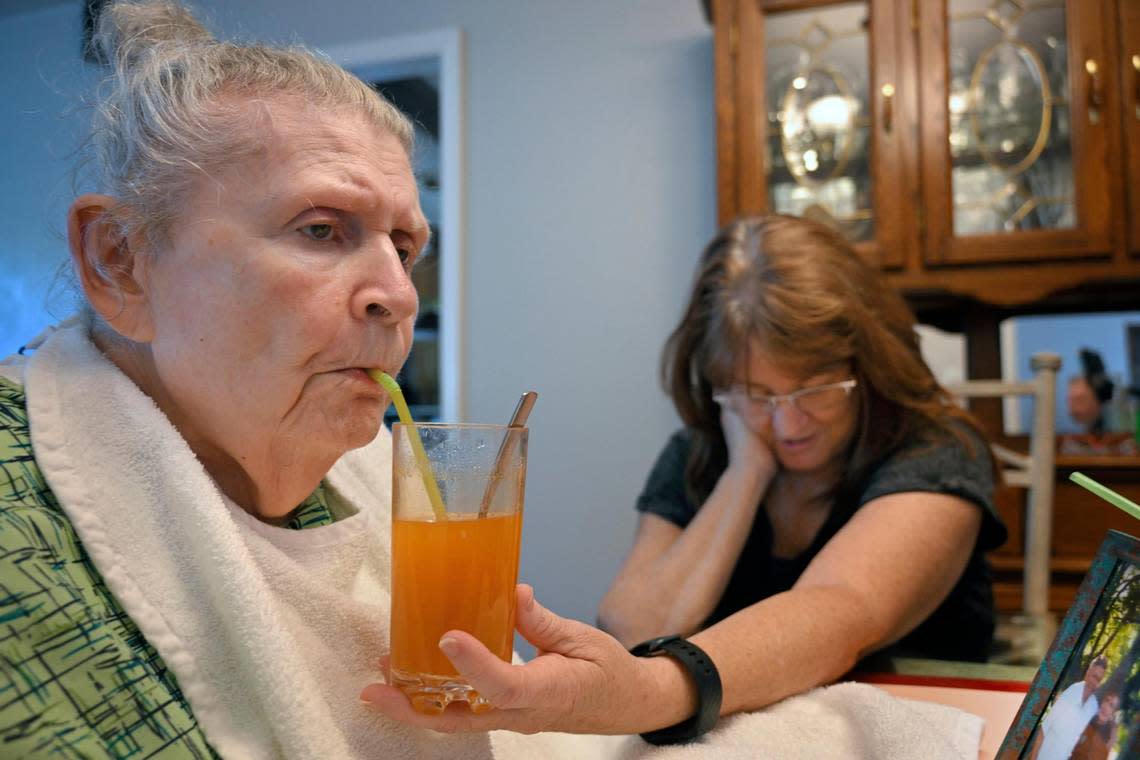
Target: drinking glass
(454, 569)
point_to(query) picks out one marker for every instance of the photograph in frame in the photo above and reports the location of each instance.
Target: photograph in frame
(1084, 702)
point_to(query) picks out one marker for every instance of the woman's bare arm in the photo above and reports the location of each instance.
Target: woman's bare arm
(884, 573)
(673, 577)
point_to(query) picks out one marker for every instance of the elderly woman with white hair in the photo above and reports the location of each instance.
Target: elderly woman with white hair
(246, 260)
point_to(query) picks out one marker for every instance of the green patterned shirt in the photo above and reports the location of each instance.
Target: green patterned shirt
(77, 679)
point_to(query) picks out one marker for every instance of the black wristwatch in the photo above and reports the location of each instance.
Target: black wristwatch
(704, 673)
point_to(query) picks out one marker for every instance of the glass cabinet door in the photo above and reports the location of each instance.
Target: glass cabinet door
(1023, 127)
(1010, 132)
(822, 103)
(818, 150)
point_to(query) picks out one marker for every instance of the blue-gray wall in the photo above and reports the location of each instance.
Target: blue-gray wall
(42, 83)
(590, 188)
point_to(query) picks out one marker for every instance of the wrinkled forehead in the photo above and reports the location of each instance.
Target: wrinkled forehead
(293, 136)
(291, 146)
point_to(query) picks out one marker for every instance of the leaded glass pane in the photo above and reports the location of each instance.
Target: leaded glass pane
(819, 140)
(1009, 129)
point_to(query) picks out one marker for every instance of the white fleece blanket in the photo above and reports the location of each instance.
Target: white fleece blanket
(853, 721)
(272, 633)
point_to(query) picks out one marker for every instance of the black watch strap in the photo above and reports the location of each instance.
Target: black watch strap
(707, 679)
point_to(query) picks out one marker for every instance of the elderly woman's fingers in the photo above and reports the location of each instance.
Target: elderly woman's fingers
(548, 632)
(388, 700)
(457, 718)
(498, 681)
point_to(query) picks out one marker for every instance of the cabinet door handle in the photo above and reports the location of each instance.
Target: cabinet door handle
(888, 91)
(1096, 91)
(1136, 85)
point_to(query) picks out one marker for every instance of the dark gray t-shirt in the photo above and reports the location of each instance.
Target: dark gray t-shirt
(935, 462)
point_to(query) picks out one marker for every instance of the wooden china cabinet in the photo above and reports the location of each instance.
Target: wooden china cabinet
(984, 153)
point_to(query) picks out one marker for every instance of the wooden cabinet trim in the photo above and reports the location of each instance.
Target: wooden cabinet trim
(1129, 79)
(934, 137)
(888, 198)
(1030, 245)
(1088, 41)
(775, 6)
(751, 118)
(1020, 285)
(724, 63)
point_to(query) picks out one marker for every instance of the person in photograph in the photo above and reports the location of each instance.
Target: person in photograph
(1070, 713)
(1089, 394)
(1097, 739)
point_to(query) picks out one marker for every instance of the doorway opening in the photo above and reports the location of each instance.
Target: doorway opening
(422, 76)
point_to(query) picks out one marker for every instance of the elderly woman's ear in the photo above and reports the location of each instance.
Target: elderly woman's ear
(109, 266)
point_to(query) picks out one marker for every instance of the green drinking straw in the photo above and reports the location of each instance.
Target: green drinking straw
(405, 414)
(1112, 497)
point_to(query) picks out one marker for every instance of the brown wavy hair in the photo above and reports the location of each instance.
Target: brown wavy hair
(796, 291)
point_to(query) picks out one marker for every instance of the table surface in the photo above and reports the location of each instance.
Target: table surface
(996, 708)
(982, 671)
(992, 692)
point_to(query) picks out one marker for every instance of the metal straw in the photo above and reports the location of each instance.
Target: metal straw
(518, 421)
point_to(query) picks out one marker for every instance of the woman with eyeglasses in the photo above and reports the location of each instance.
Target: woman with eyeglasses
(825, 499)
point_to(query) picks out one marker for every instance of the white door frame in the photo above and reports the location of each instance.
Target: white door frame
(1011, 406)
(446, 45)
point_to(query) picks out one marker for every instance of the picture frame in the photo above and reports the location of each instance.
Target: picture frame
(1084, 700)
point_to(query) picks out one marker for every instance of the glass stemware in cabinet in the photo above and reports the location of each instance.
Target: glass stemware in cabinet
(1009, 114)
(818, 151)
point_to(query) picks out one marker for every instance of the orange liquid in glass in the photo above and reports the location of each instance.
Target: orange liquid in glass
(458, 573)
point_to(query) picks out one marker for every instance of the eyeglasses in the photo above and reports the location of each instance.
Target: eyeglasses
(815, 401)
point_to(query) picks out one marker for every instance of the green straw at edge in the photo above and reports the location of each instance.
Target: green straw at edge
(405, 414)
(1112, 497)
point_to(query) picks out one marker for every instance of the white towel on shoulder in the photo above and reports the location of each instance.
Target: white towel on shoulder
(271, 633)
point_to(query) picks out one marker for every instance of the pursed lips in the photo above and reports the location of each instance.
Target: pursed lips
(361, 373)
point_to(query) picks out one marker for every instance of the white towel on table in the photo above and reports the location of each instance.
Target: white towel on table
(852, 721)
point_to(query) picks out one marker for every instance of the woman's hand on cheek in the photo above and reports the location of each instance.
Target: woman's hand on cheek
(747, 449)
(582, 681)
